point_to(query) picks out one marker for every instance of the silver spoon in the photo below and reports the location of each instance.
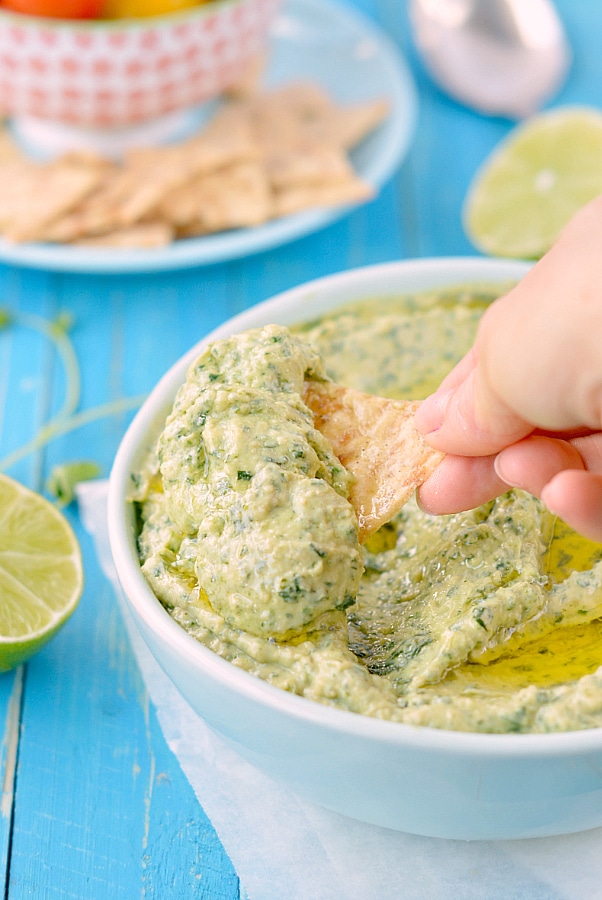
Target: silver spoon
(501, 57)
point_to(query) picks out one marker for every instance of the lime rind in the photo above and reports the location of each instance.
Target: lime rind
(15, 652)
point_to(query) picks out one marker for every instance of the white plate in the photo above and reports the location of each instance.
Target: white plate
(314, 40)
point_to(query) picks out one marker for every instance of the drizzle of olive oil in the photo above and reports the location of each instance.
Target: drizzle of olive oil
(565, 654)
(568, 551)
(382, 540)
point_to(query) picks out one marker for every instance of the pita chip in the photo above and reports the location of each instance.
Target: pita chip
(279, 118)
(346, 126)
(235, 197)
(146, 176)
(145, 236)
(308, 164)
(248, 82)
(227, 139)
(376, 441)
(9, 151)
(337, 193)
(36, 195)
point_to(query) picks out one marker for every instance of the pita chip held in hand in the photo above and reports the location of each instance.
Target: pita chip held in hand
(376, 441)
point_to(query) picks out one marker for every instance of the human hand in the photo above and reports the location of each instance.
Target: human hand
(524, 406)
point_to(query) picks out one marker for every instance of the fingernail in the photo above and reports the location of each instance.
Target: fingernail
(545, 499)
(430, 414)
(423, 507)
(502, 474)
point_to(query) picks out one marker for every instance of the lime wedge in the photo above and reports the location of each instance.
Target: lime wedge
(41, 576)
(534, 182)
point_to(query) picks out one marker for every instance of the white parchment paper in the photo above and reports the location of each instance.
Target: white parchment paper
(287, 849)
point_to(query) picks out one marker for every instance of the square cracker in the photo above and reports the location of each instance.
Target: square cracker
(235, 197)
(376, 441)
(309, 164)
(9, 151)
(35, 195)
(346, 126)
(296, 198)
(248, 82)
(146, 235)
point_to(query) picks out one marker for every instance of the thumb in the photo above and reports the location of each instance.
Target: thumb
(536, 360)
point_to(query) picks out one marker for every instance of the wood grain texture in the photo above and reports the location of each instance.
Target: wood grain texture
(95, 804)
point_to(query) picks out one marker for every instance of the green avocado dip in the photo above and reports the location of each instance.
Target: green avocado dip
(488, 620)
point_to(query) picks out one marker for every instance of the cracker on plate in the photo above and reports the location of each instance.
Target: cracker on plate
(146, 235)
(34, 195)
(264, 154)
(309, 163)
(294, 199)
(346, 126)
(9, 151)
(237, 196)
(376, 441)
(249, 80)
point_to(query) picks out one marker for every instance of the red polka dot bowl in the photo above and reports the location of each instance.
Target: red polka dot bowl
(105, 73)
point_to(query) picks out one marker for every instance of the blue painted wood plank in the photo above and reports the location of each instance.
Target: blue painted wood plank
(26, 362)
(11, 697)
(102, 809)
(20, 385)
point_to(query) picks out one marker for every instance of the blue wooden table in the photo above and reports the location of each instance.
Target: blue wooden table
(94, 804)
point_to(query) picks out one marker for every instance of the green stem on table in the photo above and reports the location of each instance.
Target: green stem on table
(58, 427)
(67, 419)
(58, 333)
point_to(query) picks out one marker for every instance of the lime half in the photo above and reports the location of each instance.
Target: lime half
(41, 576)
(534, 182)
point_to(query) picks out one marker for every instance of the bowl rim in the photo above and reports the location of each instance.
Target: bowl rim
(438, 271)
(46, 23)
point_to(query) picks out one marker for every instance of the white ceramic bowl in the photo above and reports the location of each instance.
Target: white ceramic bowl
(420, 780)
(98, 73)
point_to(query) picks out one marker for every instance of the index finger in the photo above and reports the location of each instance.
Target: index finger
(465, 416)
